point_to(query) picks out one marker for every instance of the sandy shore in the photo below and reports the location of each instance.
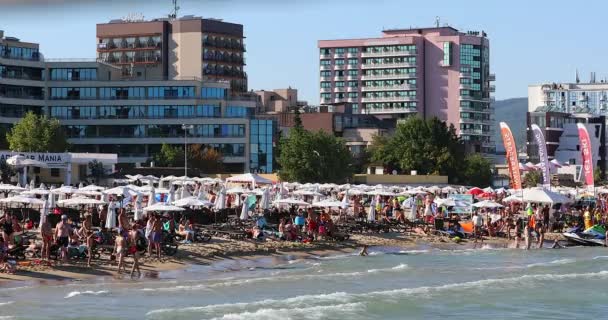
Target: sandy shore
(219, 249)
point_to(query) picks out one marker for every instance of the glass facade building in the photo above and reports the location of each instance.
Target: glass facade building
(261, 145)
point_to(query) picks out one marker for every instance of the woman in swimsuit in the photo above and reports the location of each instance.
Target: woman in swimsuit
(7, 228)
(134, 249)
(46, 233)
(120, 248)
(87, 233)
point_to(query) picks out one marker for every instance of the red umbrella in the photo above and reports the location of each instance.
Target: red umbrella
(486, 195)
(475, 191)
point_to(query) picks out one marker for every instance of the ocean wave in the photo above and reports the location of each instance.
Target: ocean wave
(268, 309)
(303, 313)
(600, 257)
(293, 277)
(85, 293)
(551, 263)
(361, 299)
(6, 303)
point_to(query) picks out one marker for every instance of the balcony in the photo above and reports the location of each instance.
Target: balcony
(492, 88)
(352, 66)
(339, 67)
(339, 100)
(466, 86)
(339, 89)
(352, 89)
(388, 76)
(325, 78)
(388, 54)
(476, 98)
(352, 100)
(476, 132)
(352, 55)
(484, 110)
(388, 65)
(389, 88)
(325, 100)
(352, 77)
(338, 55)
(325, 56)
(492, 77)
(325, 67)
(325, 90)
(388, 99)
(339, 78)
(477, 120)
(465, 75)
(390, 110)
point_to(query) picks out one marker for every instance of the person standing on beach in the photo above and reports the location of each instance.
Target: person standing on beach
(123, 223)
(157, 234)
(477, 225)
(46, 233)
(62, 236)
(7, 229)
(120, 245)
(150, 231)
(87, 233)
(587, 218)
(136, 245)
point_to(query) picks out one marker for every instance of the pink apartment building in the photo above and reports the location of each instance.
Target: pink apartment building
(431, 72)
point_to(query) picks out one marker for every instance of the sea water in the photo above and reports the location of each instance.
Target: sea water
(390, 283)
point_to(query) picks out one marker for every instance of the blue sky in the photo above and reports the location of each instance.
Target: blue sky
(531, 41)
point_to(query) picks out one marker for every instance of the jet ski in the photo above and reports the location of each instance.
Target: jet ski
(594, 236)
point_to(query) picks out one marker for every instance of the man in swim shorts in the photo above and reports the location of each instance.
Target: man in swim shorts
(62, 236)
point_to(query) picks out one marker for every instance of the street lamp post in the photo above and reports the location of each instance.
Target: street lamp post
(186, 127)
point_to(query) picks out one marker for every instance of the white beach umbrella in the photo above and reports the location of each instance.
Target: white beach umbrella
(23, 200)
(91, 187)
(111, 216)
(487, 204)
(449, 189)
(540, 195)
(44, 212)
(244, 211)
(162, 207)
(290, 202)
(10, 188)
(79, 201)
(36, 191)
(345, 201)
(64, 190)
(220, 199)
(151, 197)
(192, 202)
(447, 202)
(265, 203)
(371, 215)
(328, 203)
(138, 212)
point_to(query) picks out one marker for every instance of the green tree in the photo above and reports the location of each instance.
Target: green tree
(37, 134)
(477, 171)
(427, 146)
(208, 160)
(169, 156)
(314, 157)
(297, 119)
(6, 171)
(97, 170)
(532, 178)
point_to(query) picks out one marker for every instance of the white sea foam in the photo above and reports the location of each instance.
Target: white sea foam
(414, 251)
(85, 293)
(551, 263)
(6, 303)
(600, 257)
(360, 299)
(315, 312)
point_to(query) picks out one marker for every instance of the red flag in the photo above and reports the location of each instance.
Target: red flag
(510, 148)
(583, 136)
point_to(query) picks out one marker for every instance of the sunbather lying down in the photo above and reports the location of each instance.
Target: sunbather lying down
(6, 267)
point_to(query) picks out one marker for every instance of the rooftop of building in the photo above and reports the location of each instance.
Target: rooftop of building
(13, 40)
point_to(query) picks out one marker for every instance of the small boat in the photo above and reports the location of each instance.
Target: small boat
(594, 236)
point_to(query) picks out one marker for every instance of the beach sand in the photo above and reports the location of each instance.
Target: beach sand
(219, 249)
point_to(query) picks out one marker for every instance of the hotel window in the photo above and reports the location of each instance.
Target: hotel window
(353, 73)
(353, 95)
(353, 84)
(447, 54)
(237, 112)
(339, 84)
(326, 73)
(325, 84)
(353, 50)
(54, 172)
(339, 62)
(325, 62)
(353, 61)
(339, 51)
(325, 51)
(325, 95)
(213, 93)
(355, 107)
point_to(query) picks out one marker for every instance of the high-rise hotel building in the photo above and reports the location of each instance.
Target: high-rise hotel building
(133, 105)
(431, 72)
(188, 47)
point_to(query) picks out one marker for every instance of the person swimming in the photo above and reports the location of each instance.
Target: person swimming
(363, 252)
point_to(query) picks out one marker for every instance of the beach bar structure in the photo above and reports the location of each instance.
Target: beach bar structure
(58, 168)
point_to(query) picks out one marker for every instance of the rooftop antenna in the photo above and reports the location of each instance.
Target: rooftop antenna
(437, 21)
(175, 10)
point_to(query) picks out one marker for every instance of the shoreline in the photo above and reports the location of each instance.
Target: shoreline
(222, 250)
